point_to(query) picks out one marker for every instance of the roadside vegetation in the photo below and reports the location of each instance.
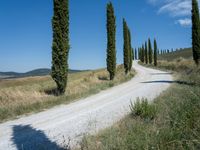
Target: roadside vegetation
(171, 121)
(33, 94)
(185, 53)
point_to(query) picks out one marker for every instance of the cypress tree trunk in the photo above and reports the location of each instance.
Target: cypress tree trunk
(150, 51)
(195, 32)
(146, 53)
(126, 47)
(111, 48)
(155, 52)
(60, 45)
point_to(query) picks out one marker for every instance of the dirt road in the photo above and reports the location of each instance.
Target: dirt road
(50, 128)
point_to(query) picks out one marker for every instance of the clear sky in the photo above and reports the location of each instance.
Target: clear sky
(26, 33)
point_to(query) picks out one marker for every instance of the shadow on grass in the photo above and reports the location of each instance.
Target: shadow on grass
(27, 138)
(53, 92)
(167, 73)
(167, 81)
(104, 78)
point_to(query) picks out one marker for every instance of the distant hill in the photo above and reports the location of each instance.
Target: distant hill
(184, 53)
(36, 72)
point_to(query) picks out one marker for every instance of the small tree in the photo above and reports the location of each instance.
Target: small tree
(60, 46)
(111, 48)
(155, 52)
(195, 32)
(150, 51)
(146, 53)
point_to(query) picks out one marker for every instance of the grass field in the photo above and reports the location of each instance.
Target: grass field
(176, 122)
(184, 53)
(33, 94)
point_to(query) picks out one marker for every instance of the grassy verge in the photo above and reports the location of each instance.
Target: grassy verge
(172, 121)
(33, 94)
(184, 53)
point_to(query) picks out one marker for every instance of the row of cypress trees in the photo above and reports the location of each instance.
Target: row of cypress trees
(60, 44)
(111, 43)
(148, 55)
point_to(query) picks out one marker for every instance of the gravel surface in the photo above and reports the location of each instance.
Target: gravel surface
(68, 123)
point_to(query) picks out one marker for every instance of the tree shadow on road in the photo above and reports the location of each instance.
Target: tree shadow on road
(27, 138)
(168, 81)
(165, 73)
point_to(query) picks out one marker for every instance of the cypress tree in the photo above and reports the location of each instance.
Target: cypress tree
(111, 48)
(130, 49)
(146, 53)
(142, 54)
(139, 53)
(195, 32)
(126, 47)
(150, 51)
(136, 54)
(155, 52)
(60, 45)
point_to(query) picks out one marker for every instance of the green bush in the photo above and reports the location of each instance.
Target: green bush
(143, 109)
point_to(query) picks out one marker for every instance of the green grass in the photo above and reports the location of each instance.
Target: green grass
(176, 124)
(34, 94)
(184, 53)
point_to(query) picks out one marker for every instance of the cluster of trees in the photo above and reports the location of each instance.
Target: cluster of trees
(147, 54)
(111, 43)
(165, 51)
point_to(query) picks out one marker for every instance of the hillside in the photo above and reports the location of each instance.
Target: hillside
(36, 72)
(184, 53)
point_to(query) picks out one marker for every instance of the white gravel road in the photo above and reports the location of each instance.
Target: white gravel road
(48, 129)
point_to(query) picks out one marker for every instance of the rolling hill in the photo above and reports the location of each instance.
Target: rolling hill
(184, 53)
(36, 72)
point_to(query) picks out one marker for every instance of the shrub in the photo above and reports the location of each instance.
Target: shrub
(143, 109)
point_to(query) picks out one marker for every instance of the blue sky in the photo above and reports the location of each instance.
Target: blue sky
(26, 34)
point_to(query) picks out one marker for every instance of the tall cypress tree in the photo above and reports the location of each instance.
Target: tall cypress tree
(146, 53)
(130, 49)
(111, 48)
(195, 32)
(155, 52)
(126, 47)
(142, 54)
(136, 54)
(139, 53)
(60, 45)
(150, 51)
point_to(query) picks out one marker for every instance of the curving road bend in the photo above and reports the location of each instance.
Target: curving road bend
(51, 128)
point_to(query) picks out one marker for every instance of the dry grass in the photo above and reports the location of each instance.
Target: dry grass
(20, 96)
(176, 124)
